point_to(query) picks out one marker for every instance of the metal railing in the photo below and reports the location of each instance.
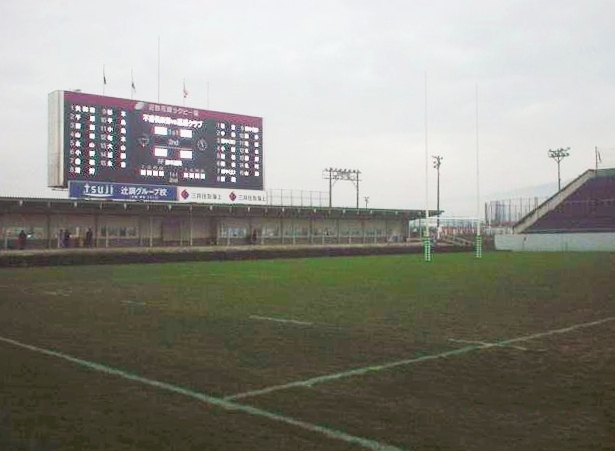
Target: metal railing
(297, 198)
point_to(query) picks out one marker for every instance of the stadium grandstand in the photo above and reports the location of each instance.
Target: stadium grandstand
(579, 217)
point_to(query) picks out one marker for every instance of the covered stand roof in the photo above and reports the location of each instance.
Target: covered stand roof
(87, 206)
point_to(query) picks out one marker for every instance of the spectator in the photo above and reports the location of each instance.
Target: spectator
(66, 238)
(88, 237)
(21, 240)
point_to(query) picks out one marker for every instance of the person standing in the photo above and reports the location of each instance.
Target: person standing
(88, 237)
(21, 240)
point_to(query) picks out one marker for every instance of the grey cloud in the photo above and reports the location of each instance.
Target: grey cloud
(338, 83)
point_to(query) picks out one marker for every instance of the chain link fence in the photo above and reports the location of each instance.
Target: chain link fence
(297, 198)
(506, 213)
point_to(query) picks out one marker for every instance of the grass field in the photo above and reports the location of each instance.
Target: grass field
(512, 351)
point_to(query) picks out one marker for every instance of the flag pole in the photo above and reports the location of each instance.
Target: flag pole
(132, 83)
(158, 69)
(207, 95)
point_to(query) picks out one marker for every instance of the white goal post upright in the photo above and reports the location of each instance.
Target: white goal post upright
(426, 237)
(479, 238)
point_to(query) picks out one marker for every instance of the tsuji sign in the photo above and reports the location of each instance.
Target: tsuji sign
(221, 196)
(120, 191)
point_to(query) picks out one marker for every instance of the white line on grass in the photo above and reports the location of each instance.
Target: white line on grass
(385, 366)
(57, 293)
(281, 320)
(133, 303)
(218, 402)
(485, 344)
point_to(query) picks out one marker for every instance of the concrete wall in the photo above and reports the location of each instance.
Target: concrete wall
(556, 242)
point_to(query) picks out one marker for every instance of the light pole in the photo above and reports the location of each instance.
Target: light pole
(558, 155)
(437, 161)
(366, 201)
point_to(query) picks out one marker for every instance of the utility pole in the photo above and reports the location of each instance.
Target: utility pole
(558, 155)
(437, 161)
(333, 175)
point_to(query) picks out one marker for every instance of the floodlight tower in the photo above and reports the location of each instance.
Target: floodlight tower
(366, 201)
(558, 155)
(333, 175)
(437, 161)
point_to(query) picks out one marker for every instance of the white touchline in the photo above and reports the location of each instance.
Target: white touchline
(281, 320)
(218, 402)
(486, 344)
(377, 368)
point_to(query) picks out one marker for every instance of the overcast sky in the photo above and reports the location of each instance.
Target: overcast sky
(338, 83)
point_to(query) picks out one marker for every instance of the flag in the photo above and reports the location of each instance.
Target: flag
(598, 156)
(185, 90)
(104, 76)
(132, 82)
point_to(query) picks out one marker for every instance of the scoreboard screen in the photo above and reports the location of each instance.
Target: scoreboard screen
(106, 139)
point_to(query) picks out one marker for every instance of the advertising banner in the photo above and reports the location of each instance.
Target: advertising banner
(121, 191)
(221, 196)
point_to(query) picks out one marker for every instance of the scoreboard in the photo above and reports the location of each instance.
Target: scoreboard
(96, 138)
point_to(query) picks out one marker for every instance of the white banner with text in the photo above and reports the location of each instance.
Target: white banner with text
(221, 196)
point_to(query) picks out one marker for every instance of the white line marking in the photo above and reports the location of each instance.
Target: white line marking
(57, 293)
(218, 402)
(133, 303)
(485, 344)
(281, 320)
(377, 368)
